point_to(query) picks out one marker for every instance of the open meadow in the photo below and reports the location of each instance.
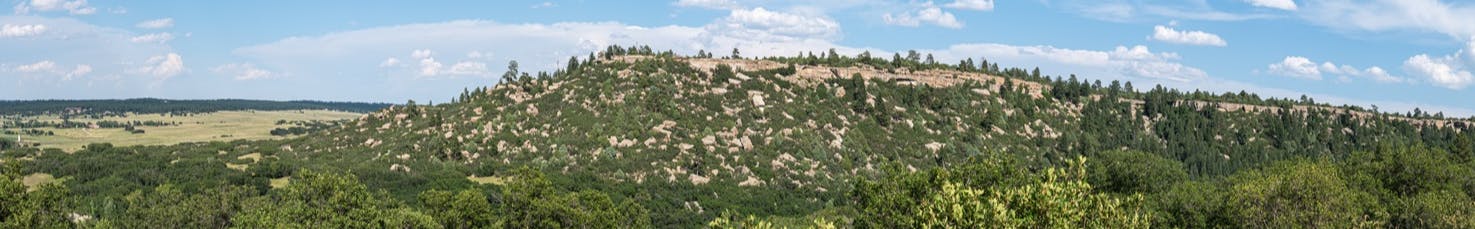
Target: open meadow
(213, 126)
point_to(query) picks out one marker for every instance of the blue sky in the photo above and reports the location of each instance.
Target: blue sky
(1396, 54)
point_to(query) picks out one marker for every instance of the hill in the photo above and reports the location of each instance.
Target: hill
(855, 141)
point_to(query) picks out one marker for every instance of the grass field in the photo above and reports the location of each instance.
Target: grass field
(217, 126)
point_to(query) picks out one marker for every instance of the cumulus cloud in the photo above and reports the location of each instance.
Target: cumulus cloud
(1305, 68)
(1170, 35)
(1393, 15)
(163, 66)
(972, 4)
(78, 7)
(81, 69)
(430, 67)
(1295, 66)
(928, 14)
(9, 30)
(159, 38)
(389, 62)
(1440, 71)
(762, 24)
(420, 53)
(42, 66)
(242, 71)
(156, 23)
(710, 4)
(1450, 71)
(50, 68)
(1274, 4)
(468, 68)
(1141, 62)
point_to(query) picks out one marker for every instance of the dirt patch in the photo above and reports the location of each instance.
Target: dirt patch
(255, 157)
(35, 180)
(486, 180)
(280, 182)
(238, 167)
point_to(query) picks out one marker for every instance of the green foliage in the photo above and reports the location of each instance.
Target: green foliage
(1192, 204)
(1053, 198)
(328, 200)
(1130, 171)
(1300, 194)
(1423, 187)
(167, 206)
(464, 209)
(731, 220)
(1435, 209)
(531, 202)
(45, 207)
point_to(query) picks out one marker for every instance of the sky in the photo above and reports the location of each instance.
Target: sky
(1394, 54)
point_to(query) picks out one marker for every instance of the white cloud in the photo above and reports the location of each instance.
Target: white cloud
(1440, 71)
(1450, 71)
(1393, 15)
(390, 62)
(1382, 76)
(43, 66)
(46, 4)
(243, 71)
(156, 23)
(1141, 11)
(1141, 62)
(477, 54)
(159, 38)
(1274, 4)
(80, 70)
(420, 53)
(761, 24)
(47, 67)
(1128, 63)
(972, 4)
(1305, 68)
(78, 7)
(1296, 66)
(1170, 35)
(929, 14)
(163, 66)
(429, 67)
(543, 5)
(710, 4)
(9, 30)
(468, 68)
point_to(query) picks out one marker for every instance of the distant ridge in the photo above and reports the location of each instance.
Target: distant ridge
(153, 106)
